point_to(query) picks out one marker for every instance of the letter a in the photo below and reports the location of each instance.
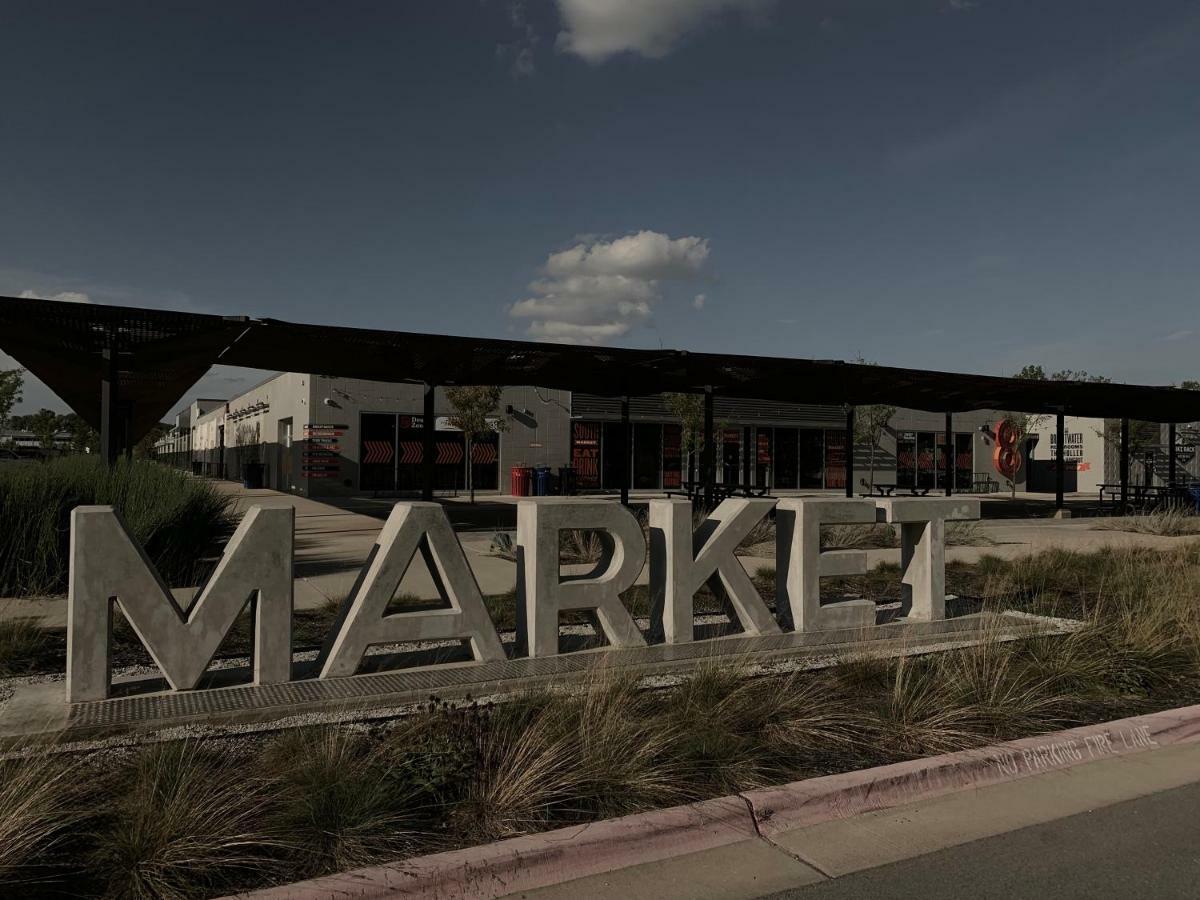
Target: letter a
(411, 526)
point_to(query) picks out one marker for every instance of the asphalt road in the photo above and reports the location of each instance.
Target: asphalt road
(1144, 848)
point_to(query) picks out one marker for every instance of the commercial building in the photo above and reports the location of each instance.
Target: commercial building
(323, 436)
(319, 436)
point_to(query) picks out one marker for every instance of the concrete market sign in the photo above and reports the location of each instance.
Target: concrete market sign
(109, 569)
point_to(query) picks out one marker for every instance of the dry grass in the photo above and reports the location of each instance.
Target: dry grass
(342, 807)
(181, 821)
(1168, 523)
(37, 809)
(21, 642)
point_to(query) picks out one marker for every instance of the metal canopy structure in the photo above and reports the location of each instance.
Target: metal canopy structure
(141, 361)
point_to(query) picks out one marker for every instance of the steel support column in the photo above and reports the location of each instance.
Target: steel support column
(948, 456)
(428, 449)
(849, 451)
(1124, 465)
(112, 428)
(708, 456)
(1171, 461)
(1060, 462)
(746, 460)
(626, 451)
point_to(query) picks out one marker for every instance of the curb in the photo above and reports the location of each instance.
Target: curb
(804, 803)
(536, 860)
(553, 857)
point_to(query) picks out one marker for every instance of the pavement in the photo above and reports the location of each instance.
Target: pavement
(1149, 847)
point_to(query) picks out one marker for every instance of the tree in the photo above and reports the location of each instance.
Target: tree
(45, 426)
(1024, 423)
(472, 406)
(870, 421)
(84, 437)
(145, 448)
(11, 383)
(689, 410)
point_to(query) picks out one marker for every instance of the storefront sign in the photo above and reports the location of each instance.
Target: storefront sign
(107, 566)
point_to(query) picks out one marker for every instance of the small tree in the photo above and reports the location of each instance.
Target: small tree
(472, 406)
(11, 383)
(689, 410)
(870, 422)
(1024, 423)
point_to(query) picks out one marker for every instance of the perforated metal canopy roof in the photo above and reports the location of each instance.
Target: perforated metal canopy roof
(162, 353)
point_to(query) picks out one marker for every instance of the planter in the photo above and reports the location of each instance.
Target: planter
(252, 475)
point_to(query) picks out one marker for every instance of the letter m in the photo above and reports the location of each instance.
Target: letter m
(108, 567)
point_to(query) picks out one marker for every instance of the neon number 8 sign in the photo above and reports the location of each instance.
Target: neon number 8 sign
(1006, 457)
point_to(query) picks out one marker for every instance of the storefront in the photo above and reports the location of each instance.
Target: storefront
(780, 457)
(920, 462)
(391, 457)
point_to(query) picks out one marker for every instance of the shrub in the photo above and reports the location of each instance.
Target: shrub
(36, 812)
(177, 519)
(342, 804)
(182, 820)
(21, 643)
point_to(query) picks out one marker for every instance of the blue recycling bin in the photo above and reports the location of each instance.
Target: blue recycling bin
(1195, 492)
(543, 482)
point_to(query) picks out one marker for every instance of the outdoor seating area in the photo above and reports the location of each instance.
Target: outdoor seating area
(1150, 497)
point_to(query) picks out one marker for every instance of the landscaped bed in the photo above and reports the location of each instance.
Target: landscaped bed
(178, 519)
(200, 817)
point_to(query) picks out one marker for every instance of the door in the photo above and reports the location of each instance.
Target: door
(762, 458)
(731, 442)
(926, 459)
(647, 455)
(377, 452)
(672, 457)
(835, 458)
(787, 450)
(283, 461)
(812, 458)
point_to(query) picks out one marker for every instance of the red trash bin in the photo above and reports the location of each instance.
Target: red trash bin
(522, 481)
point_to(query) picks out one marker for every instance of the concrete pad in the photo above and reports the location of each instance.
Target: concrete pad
(886, 836)
(743, 870)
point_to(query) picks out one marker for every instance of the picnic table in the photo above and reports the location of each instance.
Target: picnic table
(1145, 496)
(694, 490)
(886, 489)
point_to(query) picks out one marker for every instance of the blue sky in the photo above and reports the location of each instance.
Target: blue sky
(940, 183)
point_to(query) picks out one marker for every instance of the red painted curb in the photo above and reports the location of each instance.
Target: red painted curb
(815, 800)
(553, 857)
(537, 860)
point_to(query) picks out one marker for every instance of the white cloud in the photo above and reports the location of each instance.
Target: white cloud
(598, 29)
(699, 300)
(1179, 335)
(599, 290)
(62, 297)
